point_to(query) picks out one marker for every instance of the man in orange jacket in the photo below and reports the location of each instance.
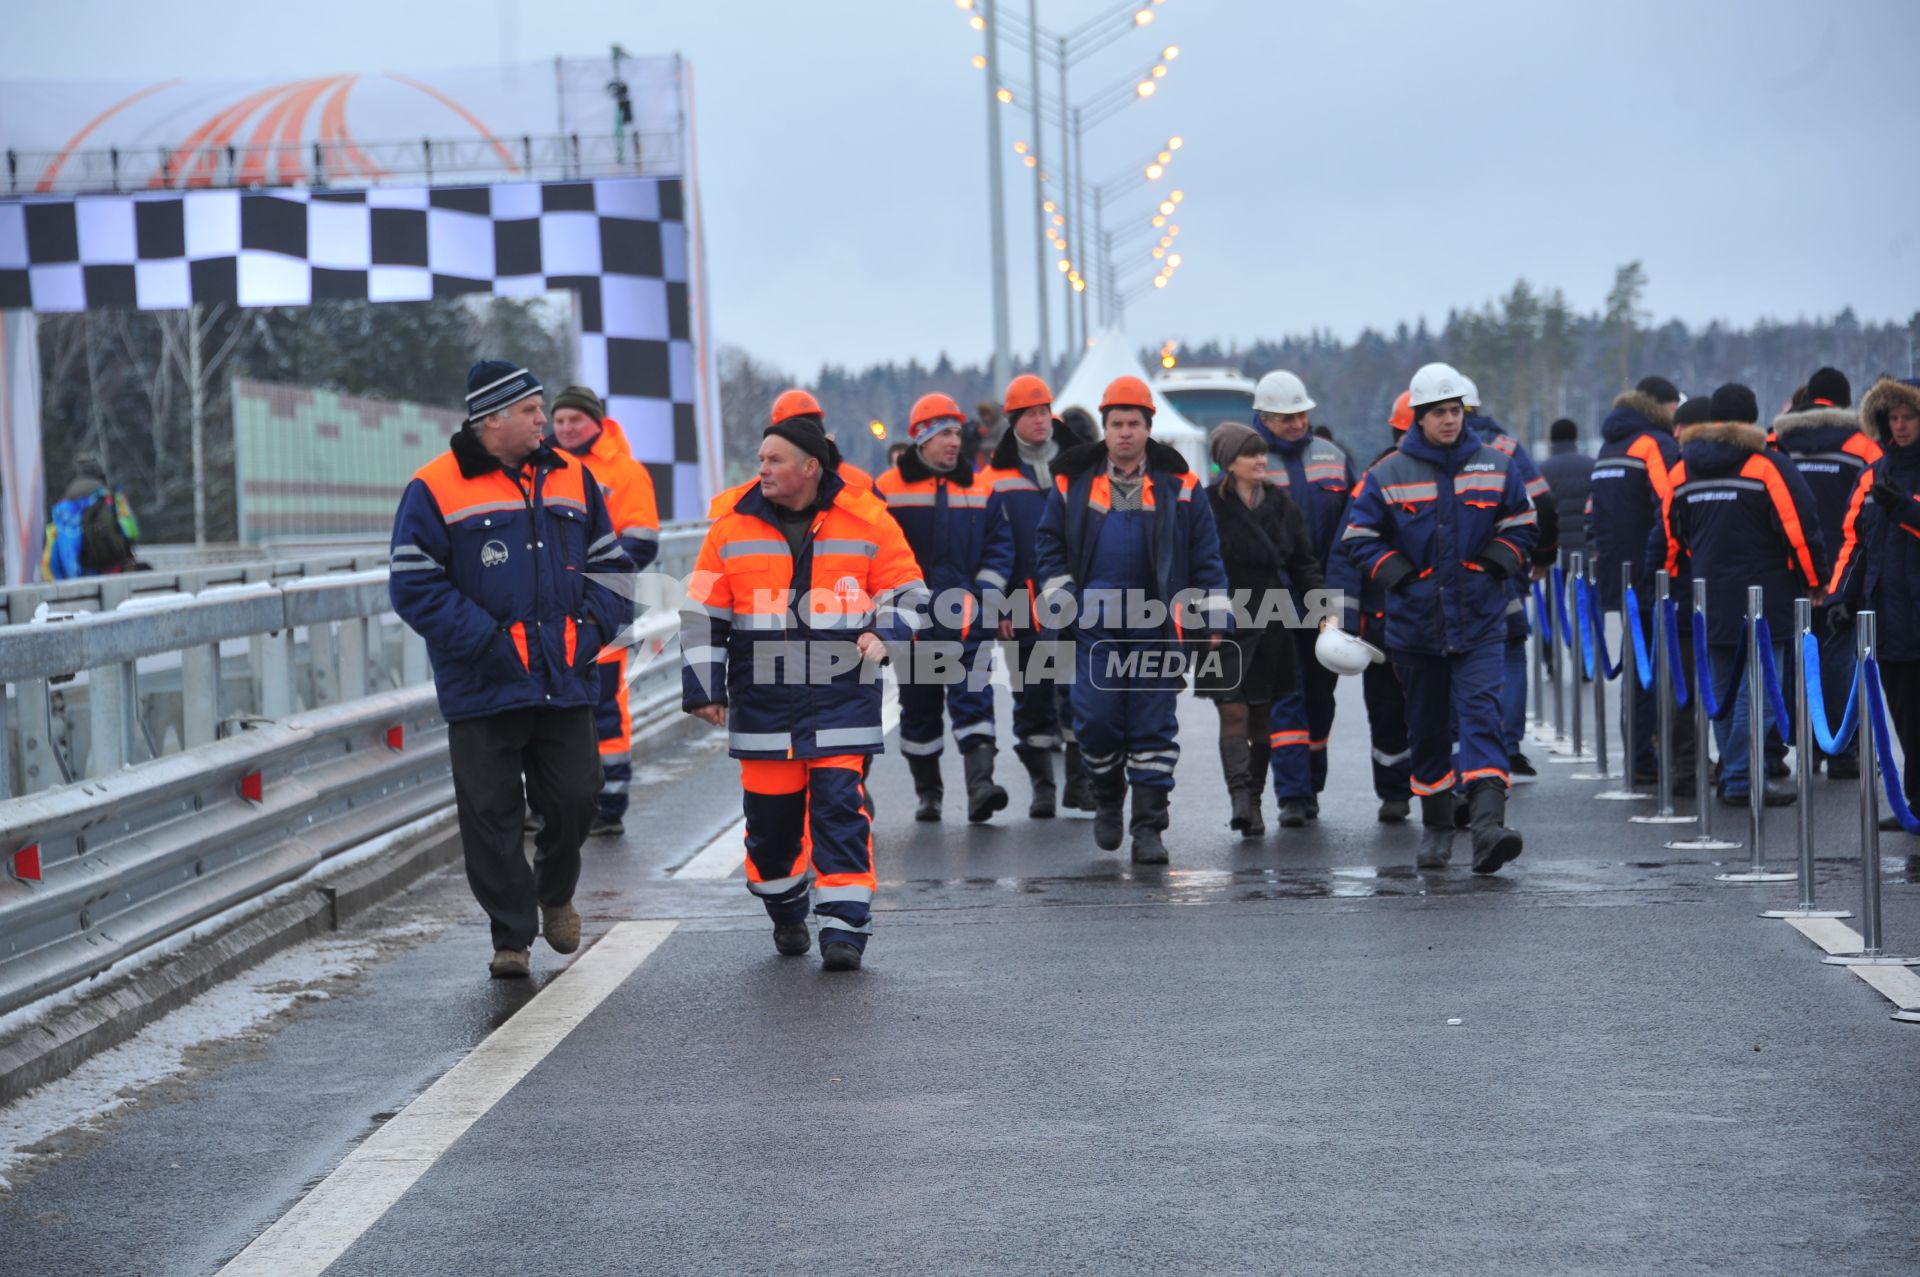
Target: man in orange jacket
(581, 427)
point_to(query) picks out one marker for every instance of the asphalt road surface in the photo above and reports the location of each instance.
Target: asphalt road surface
(1298, 1055)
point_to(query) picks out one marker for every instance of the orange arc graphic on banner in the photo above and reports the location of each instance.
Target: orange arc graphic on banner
(334, 133)
(73, 143)
(506, 156)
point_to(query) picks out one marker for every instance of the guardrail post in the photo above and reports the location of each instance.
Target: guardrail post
(1756, 750)
(1866, 647)
(6, 754)
(353, 659)
(1663, 707)
(321, 665)
(199, 695)
(273, 654)
(415, 669)
(1703, 839)
(108, 710)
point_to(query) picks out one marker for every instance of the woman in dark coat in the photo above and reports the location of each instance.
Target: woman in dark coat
(1263, 542)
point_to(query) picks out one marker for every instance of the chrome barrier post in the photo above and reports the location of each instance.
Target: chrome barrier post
(1702, 748)
(1596, 630)
(1576, 752)
(1871, 954)
(1756, 752)
(1557, 669)
(1629, 688)
(1663, 707)
(1803, 765)
(1537, 707)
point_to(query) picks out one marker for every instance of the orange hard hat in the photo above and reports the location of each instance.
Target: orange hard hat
(795, 403)
(933, 407)
(1127, 392)
(1027, 391)
(1402, 418)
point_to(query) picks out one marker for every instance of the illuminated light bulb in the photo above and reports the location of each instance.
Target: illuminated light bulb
(1079, 285)
(1048, 206)
(1174, 143)
(1171, 52)
(1174, 260)
(878, 428)
(1154, 171)
(1064, 265)
(1166, 241)
(1158, 222)
(1005, 95)
(1159, 281)
(1143, 17)
(1166, 361)
(1031, 161)
(1019, 148)
(1173, 230)
(963, 4)
(1144, 88)
(1058, 220)
(1165, 157)
(1166, 208)
(1160, 71)
(979, 61)
(977, 22)
(1158, 253)
(1177, 196)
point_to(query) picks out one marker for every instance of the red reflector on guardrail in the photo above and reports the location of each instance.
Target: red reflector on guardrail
(396, 736)
(251, 787)
(25, 864)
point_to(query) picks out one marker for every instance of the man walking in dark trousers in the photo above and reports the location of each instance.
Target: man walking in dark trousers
(496, 551)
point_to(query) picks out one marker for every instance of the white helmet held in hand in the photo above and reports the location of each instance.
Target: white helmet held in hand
(1281, 391)
(1342, 653)
(1435, 383)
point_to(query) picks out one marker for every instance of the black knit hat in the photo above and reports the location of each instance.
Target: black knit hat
(582, 399)
(1829, 388)
(1735, 402)
(806, 433)
(494, 384)
(1695, 411)
(1659, 389)
(1563, 431)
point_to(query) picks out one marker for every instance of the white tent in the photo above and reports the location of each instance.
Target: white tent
(1111, 355)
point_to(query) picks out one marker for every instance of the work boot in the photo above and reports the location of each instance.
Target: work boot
(1493, 843)
(926, 785)
(510, 964)
(1149, 819)
(1109, 811)
(1779, 793)
(983, 796)
(1039, 765)
(1777, 768)
(606, 827)
(792, 938)
(1436, 831)
(1394, 811)
(1245, 799)
(1843, 767)
(1313, 807)
(838, 955)
(1462, 814)
(1076, 796)
(1293, 813)
(561, 926)
(1520, 765)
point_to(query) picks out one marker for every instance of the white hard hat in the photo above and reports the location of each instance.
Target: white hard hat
(1342, 653)
(1437, 382)
(1281, 391)
(1472, 396)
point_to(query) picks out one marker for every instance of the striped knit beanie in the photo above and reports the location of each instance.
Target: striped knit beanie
(494, 384)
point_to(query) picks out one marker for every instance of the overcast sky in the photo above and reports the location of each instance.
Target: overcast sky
(1346, 164)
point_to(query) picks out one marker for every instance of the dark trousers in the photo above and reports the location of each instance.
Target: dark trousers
(1302, 720)
(1900, 680)
(558, 754)
(1387, 724)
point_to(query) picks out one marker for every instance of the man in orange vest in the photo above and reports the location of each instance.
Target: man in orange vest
(499, 547)
(581, 426)
(801, 584)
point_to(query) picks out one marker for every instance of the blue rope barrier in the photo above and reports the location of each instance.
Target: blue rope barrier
(1679, 666)
(1596, 621)
(1584, 609)
(1770, 676)
(1560, 607)
(1720, 705)
(1830, 740)
(1889, 774)
(1642, 658)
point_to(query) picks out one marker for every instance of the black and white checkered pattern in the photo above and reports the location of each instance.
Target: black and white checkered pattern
(619, 244)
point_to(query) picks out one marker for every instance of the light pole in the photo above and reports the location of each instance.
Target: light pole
(1002, 355)
(1130, 179)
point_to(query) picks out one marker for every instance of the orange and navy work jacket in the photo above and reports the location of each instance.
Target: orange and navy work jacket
(1739, 515)
(627, 489)
(958, 532)
(783, 659)
(512, 579)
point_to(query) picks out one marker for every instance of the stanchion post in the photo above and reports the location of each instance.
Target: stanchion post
(1871, 953)
(1629, 687)
(1663, 707)
(1756, 749)
(1538, 704)
(1803, 765)
(1557, 668)
(1594, 631)
(1704, 840)
(1574, 668)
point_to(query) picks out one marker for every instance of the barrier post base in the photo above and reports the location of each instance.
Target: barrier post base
(1869, 960)
(1756, 875)
(1589, 776)
(1702, 844)
(1670, 818)
(1906, 1017)
(1567, 760)
(1806, 913)
(1623, 796)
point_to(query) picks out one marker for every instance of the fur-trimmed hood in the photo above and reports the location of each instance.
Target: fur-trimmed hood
(1845, 420)
(1714, 449)
(1743, 435)
(914, 469)
(1874, 405)
(1075, 462)
(1634, 412)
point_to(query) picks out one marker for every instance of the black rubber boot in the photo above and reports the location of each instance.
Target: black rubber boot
(1493, 843)
(1235, 759)
(1039, 765)
(792, 938)
(1436, 831)
(1109, 807)
(1394, 811)
(926, 784)
(1075, 796)
(1150, 817)
(983, 796)
(1293, 813)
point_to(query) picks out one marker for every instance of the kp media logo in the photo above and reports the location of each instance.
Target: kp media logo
(1119, 664)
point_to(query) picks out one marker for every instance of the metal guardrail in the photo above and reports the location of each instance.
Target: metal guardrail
(112, 864)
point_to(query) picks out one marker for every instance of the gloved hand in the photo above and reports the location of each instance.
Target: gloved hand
(1890, 498)
(1839, 619)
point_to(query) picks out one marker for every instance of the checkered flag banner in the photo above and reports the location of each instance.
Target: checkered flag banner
(618, 244)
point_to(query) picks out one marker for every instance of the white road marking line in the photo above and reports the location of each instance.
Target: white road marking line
(1899, 984)
(1830, 934)
(725, 856)
(328, 1220)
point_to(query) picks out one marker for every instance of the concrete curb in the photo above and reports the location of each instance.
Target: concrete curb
(54, 1046)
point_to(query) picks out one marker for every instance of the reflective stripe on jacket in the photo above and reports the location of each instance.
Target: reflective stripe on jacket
(1628, 488)
(958, 533)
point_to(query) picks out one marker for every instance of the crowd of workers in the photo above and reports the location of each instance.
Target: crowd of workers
(1103, 573)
